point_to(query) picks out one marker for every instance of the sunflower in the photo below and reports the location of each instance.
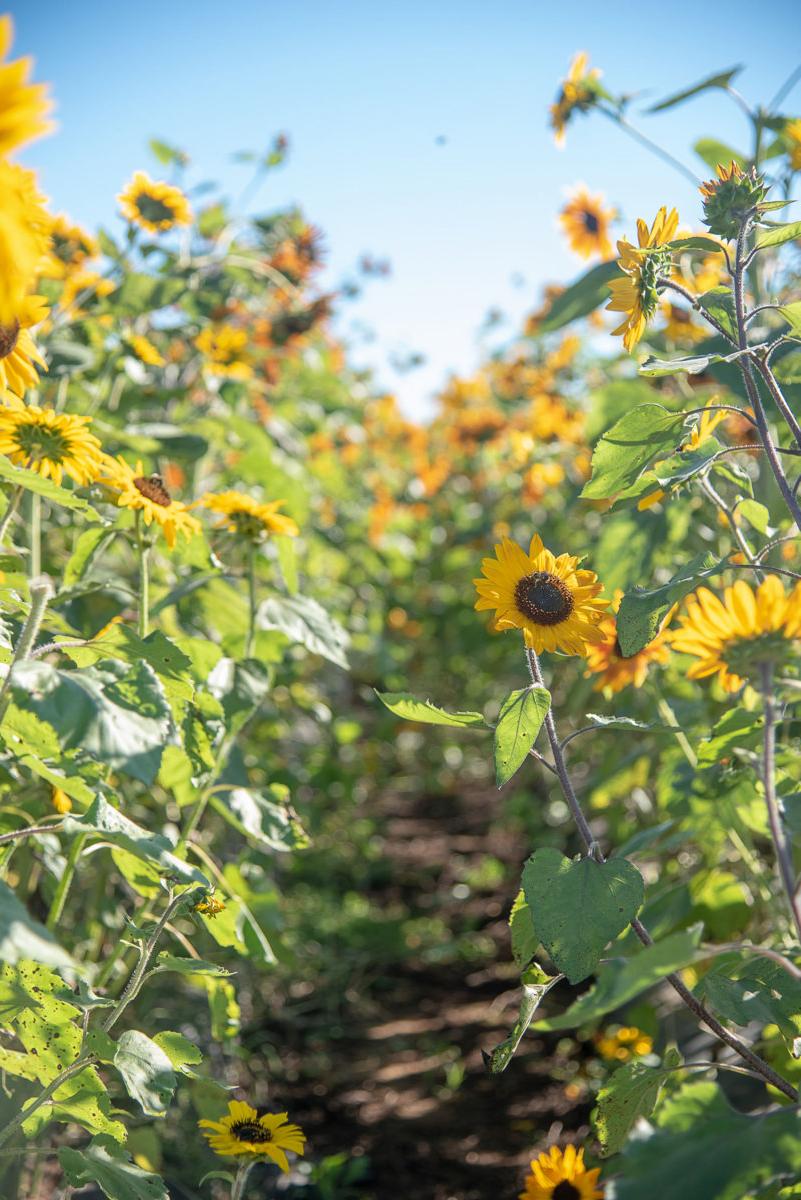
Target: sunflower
(155, 207)
(636, 293)
(243, 1133)
(578, 93)
(144, 350)
(243, 515)
(586, 223)
(730, 636)
(23, 106)
(614, 670)
(24, 236)
(51, 444)
(561, 1175)
(18, 354)
(148, 495)
(552, 601)
(71, 247)
(225, 348)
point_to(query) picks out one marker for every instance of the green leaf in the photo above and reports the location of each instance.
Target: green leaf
(581, 297)
(756, 514)
(697, 242)
(168, 155)
(721, 79)
(792, 315)
(736, 728)
(579, 907)
(112, 1169)
(631, 1092)
(602, 722)
(521, 929)
(115, 713)
(31, 482)
(240, 687)
(703, 1150)
(626, 449)
(681, 467)
(404, 704)
(223, 1008)
(777, 235)
(187, 966)
(182, 1053)
(536, 985)
(146, 1071)
(145, 293)
(102, 818)
(519, 721)
(696, 364)
(715, 154)
(82, 1100)
(304, 621)
(32, 1004)
(617, 982)
(787, 369)
(719, 303)
(287, 561)
(642, 610)
(756, 990)
(269, 824)
(87, 546)
(21, 937)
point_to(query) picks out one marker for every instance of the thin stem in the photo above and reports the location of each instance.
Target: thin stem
(13, 505)
(762, 951)
(143, 553)
(35, 562)
(41, 591)
(779, 400)
(669, 284)
(709, 489)
(669, 717)
(28, 831)
(785, 89)
(252, 599)
(628, 128)
(784, 856)
(238, 1189)
(65, 882)
(585, 832)
(132, 988)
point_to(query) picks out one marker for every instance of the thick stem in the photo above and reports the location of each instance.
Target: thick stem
(143, 553)
(35, 561)
(695, 1006)
(778, 397)
(784, 857)
(65, 882)
(240, 1182)
(41, 591)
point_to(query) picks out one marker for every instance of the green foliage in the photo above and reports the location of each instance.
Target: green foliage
(519, 721)
(106, 1164)
(403, 704)
(630, 1094)
(625, 450)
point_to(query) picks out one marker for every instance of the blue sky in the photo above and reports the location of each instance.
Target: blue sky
(367, 92)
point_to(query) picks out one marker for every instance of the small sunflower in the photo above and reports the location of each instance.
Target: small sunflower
(643, 268)
(613, 669)
(147, 494)
(144, 350)
(225, 349)
(586, 224)
(244, 1133)
(24, 236)
(578, 93)
(72, 246)
(60, 801)
(51, 444)
(209, 907)
(549, 598)
(243, 515)
(730, 636)
(19, 356)
(155, 207)
(561, 1175)
(24, 106)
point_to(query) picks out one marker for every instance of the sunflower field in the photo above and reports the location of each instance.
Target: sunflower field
(384, 804)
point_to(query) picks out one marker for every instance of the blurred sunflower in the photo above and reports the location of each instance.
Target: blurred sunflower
(792, 131)
(586, 223)
(147, 494)
(561, 1175)
(19, 356)
(578, 93)
(243, 515)
(51, 444)
(155, 207)
(24, 236)
(636, 293)
(80, 286)
(144, 350)
(613, 669)
(243, 1133)
(23, 106)
(71, 247)
(731, 636)
(225, 349)
(549, 598)
(623, 1043)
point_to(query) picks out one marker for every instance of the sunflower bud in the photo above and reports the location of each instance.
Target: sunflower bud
(730, 198)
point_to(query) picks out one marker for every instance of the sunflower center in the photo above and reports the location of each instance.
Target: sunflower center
(38, 442)
(591, 222)
(152, 488)
(543, 598)
(566, 1191)
(154, 210)
(252, 1131)
(8, 338)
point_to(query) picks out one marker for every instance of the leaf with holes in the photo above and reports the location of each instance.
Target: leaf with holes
(519, 721)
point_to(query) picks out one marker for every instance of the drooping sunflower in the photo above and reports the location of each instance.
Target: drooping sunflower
(144, 350)
(245, 516)
(148, 494)
(561, 1175)
(23, 106)
(613, 669)
(154, 206)
(244, 1133)
(24, 236)
(51, 444)
(549, 598)
(578, 93)
(586, 223)
(19, 356)
(225, 349)
(642, 267)
(732, 635)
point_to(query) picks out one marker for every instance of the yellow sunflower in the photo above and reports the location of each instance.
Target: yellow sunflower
(71, 247)
(23, 106)
(243, 1133)
(144, 350)
(18, 353)
(615, 671)
(147, 494)
(24, 236)
(730, 636)
(549, 598)
(51, 444)
(578, 93)
(243, 515)
(80, 286)
(792, 131)
(561, 1175)
(586, 224)
(225, 348)
(154, 206)
(636, 294)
